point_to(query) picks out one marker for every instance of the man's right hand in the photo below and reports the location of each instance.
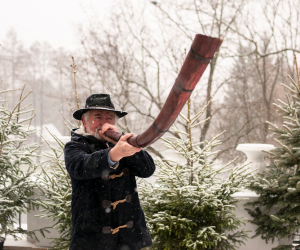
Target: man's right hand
(123, 149)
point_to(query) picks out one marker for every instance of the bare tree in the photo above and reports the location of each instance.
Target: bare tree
(138, 52)
(126, 60)
(260, 64)
(137, 63)
(13, 62)
(212, 18)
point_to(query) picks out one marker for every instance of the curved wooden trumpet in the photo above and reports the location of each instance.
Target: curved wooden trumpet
(202, 51)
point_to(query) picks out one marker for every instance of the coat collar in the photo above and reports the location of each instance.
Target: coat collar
(79, 134)
(81, 131)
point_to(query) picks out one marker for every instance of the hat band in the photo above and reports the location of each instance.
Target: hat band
(101, 106)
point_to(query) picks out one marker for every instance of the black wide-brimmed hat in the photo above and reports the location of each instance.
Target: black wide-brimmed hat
(98, 101)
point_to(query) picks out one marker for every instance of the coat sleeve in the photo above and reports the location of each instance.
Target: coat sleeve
(141, 164)
(82, 165)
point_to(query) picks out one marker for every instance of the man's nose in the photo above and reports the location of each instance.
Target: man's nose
(103, 122)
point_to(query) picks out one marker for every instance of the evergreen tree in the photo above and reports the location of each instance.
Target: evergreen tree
(16, 167)
(277, 211)
(190, 206)
(56, 186)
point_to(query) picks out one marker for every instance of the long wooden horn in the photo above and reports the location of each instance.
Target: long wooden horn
(202, 51)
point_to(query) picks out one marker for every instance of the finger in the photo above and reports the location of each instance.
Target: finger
(107, 126)
(104, 129)
(138, 150)
(126, 137)
(135, 150)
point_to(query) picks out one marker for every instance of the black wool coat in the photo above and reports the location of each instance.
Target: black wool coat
(103, 198)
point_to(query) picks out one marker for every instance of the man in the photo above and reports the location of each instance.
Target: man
(106, 213)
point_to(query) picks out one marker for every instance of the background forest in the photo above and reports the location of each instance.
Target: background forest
(136, 54)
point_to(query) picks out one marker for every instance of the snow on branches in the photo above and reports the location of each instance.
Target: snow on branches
(17, 166)
(191, 206)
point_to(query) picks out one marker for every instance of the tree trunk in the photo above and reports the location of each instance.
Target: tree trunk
(1, 242)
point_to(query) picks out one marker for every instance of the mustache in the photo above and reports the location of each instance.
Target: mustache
(97, 135)
(98, 129)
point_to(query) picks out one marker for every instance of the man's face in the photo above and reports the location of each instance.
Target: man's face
(96, 119)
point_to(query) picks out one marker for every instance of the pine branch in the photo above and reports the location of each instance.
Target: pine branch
(9, 118)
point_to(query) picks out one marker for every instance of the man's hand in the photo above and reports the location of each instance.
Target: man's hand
(106, 127)
(123, 149)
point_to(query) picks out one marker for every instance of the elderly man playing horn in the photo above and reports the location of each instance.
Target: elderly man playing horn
(106, 212)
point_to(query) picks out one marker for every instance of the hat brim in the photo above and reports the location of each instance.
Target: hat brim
(78, 113)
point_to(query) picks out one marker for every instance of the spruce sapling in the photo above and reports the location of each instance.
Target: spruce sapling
(17, 167)
(277, 211)
(190, 206)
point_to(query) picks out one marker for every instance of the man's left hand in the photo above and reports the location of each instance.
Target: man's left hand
(106, 127)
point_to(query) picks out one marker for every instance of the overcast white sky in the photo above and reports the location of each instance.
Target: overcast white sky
(44, 20)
